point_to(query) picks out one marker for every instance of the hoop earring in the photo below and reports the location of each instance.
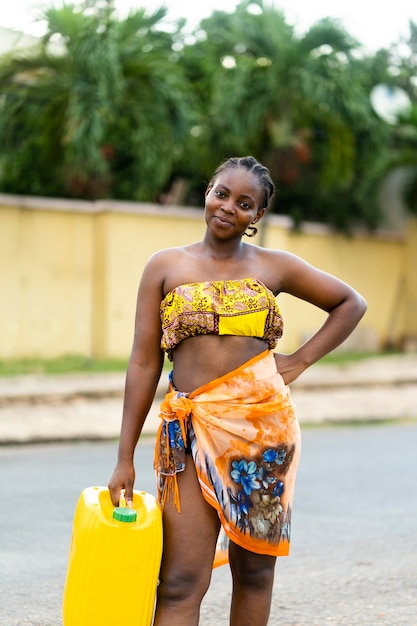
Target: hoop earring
(253, 233)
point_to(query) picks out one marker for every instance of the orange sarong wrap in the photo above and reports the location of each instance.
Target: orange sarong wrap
(245, 441)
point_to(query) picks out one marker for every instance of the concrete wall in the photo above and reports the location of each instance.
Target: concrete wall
(69, 273)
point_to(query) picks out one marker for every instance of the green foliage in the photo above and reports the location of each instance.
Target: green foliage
(127, 106)
(104, 117)
(399, 139)
(300, 104)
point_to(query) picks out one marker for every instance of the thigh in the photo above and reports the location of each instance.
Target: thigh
(189, 536)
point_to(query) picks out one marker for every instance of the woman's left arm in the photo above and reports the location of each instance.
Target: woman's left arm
(344, 305)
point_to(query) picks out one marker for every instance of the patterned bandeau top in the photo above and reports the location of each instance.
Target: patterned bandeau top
(244, 307)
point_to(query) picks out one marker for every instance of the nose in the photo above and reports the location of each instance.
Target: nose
(228, 206)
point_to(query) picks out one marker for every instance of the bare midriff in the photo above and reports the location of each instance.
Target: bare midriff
(198, 360)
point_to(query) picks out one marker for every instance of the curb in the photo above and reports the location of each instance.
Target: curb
(45, 389)
(42, 409)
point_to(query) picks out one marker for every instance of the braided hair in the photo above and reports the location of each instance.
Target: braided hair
(251, 165)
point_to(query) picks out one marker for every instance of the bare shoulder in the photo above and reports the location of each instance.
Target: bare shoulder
(285, 261)
(169, 267)
(278, 256)
(163, 259)
(166, 255)
(276, 266)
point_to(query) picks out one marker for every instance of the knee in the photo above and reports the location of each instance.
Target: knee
(183, 586)
(253, 570)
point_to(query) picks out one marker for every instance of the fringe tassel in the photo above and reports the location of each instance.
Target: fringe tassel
(176, 407)
(170, 487)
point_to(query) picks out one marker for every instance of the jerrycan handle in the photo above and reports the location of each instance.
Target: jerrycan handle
(123, 513)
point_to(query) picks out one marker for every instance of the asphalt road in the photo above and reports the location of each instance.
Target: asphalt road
(354, 539)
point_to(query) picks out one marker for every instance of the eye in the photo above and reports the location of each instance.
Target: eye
(245, 206)
(220, 194)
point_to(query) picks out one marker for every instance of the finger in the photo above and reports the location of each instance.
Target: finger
(114, 494)
(129, 495)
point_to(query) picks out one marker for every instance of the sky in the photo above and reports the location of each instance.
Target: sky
(375, 25)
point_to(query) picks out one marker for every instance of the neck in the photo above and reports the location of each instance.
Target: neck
(222, 250)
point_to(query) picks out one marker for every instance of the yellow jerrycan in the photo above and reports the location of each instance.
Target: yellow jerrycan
(114, 559)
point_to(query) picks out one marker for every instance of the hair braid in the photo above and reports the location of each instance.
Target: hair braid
(251, 165)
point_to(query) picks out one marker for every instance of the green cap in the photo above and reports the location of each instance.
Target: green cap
(124, 514)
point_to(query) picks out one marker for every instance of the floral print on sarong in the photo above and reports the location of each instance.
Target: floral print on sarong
(245, 441)
(256, 504)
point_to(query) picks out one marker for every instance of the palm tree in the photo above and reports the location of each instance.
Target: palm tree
(106, 116)
(402, 147)
(300, 103)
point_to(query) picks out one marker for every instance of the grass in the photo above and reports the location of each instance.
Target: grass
(75, 364)
(67, 364)
(339, 357)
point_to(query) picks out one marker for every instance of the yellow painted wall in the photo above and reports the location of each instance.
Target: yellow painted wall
(409, 292)
(69, 273)
(45, 278)
(375, 265)
(125, 239)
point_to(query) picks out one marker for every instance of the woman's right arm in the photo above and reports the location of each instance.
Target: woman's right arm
(143, 373)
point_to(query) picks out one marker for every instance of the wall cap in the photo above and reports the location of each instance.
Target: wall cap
(96, 207)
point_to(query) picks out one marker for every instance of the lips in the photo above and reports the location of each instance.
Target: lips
(222, 221)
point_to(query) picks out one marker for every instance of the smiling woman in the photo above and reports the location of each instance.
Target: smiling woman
(228, 445)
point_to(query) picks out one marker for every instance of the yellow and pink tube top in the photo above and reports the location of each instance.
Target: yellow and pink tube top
(244, 307)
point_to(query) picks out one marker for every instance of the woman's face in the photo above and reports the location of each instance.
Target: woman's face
(233, 202)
